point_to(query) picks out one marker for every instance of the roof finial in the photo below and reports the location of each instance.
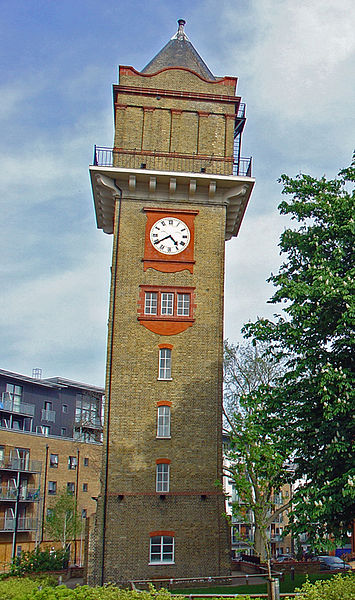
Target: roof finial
(181, 34)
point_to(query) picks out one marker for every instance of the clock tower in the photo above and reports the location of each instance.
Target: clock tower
(172, 190)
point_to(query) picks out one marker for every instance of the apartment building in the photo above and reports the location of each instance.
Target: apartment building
(50, 441)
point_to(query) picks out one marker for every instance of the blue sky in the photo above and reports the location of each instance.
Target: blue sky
(295, 64)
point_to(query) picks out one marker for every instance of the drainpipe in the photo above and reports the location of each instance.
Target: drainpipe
(76, 499)
(109, 377)
(44, 494)
(14, 535)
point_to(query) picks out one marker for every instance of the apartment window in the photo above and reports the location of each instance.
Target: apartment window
(85, 487)
(163, 421)
(72, 462)
(52, 487)
(16, 393)
(165, 363)
(44, 430)
(65, 408)
(83, 513)
(161, 549)
(87, 410)
(151, 303)
(162, 477)
(63, 431)
(47, 405)
(167, 303)
(183, 305)
(86, 461)
(70, 487)
(53, 461)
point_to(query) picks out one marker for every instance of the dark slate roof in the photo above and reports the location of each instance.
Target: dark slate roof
(179, 52)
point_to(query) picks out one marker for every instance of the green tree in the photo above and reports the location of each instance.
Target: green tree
(63, 523)
(256, 454)
(314, 400)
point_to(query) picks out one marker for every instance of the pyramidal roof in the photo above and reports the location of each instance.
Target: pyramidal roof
(179, 52)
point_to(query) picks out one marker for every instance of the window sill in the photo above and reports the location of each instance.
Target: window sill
(166, 562)
(165, 378)
(163, 437)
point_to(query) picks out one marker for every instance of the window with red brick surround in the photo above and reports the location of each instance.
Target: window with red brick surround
(166, 310)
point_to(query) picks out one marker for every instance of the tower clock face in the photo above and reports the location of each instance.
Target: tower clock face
(170, 235)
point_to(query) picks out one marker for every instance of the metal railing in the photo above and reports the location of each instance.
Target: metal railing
(171, 161)
(26, 494)
(21, 464)
(48, 415)
(9, 405)
(23, 524)
(89, 423)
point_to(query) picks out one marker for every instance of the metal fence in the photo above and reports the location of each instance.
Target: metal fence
(171, 161)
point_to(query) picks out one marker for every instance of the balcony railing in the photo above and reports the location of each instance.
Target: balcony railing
(48, 415)
(171, 161)
(23, 524)
(12, 406)
(88, 422)
(26, 494)
(21, 464)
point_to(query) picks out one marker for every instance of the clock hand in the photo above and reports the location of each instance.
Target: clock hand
(164, 238)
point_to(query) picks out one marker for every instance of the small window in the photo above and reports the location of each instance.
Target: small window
(162, 477)
(70, 487)
(64, 408)
(85, 487)
(72, 462)
(183, 305)
(151, 303)
(164, 363)
(163, 422)
(63, 431)
(47, 405)
(45, 430)
(167, 303)
(83, 513)
(86, 461)
(161, 549)
(53, 461)
(52, 487)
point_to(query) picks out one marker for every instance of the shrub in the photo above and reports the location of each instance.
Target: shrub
(16, 588)
(339, 587)
(38, 560)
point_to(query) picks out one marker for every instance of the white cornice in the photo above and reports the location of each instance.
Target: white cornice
(169, 186)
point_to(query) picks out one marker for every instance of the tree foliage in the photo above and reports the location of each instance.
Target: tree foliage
(256, 455)
(315, 338)
(63, 523)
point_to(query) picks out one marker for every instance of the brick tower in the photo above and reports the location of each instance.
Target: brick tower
(171, 191)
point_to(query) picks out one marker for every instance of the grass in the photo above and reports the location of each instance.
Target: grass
(285, 586)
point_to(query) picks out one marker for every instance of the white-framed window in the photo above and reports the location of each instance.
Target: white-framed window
(167, 303)
(16, 393)
(161, 549)
(163, 421)
(72, 462)
(183, 305)
(64, 408)
(164, 363)
(70, 487)
(150, 303)
(162, 477)
(53, 461)
(52, 487)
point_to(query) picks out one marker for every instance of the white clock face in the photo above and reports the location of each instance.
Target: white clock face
(170, 235)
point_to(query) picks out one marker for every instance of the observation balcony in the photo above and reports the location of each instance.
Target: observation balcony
(12, 406)
(171, 161)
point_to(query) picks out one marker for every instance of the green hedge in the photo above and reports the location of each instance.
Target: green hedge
(27, 588)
